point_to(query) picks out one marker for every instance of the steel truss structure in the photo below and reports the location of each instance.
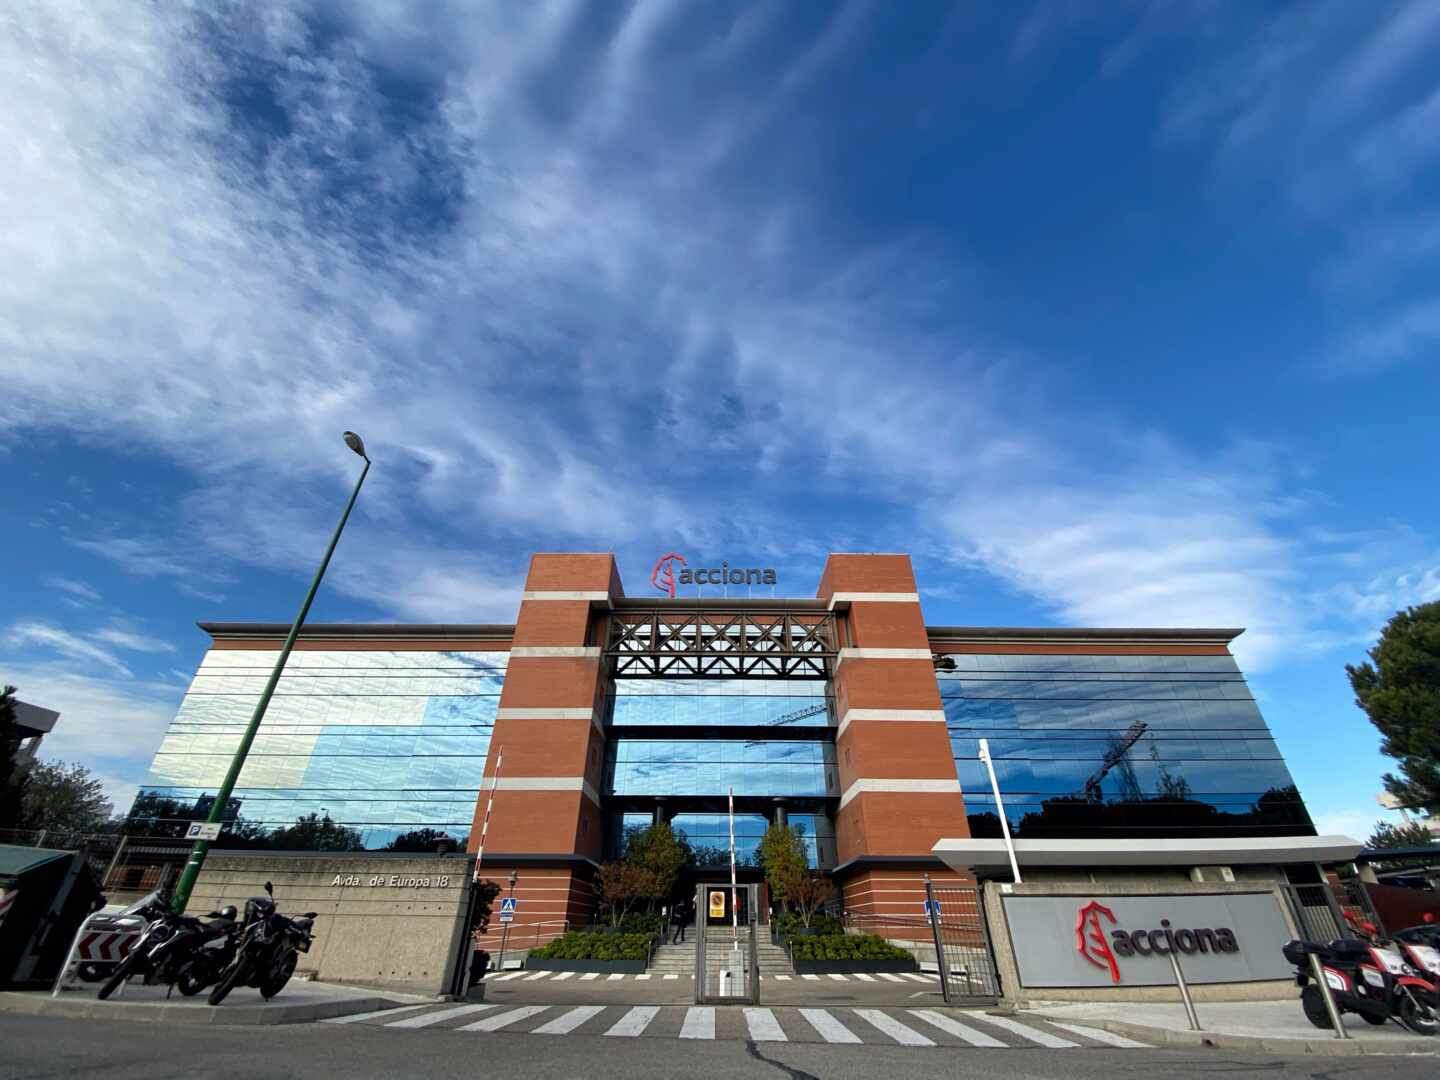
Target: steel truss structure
(719, 643)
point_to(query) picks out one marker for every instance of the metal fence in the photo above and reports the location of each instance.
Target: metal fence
(1324, 911)
(727, 959)
(967, 970)
(121, 863)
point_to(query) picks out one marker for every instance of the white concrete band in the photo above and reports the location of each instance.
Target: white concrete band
(873, 597)
(548, 783)
(588, 651)
(551, 714)
(565, 596)
(871, 654)
(962, 855)
(908, 716)
(903, 787)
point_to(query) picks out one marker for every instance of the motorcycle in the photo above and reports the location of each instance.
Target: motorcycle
(1367, 978)
(124, 925)
(167, 945)
(268, 949)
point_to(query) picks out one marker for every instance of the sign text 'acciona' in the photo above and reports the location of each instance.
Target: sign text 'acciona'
(672, 570)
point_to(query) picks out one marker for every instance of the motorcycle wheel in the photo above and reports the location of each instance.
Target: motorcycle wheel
(1420, 1019)
(122, 972)
(1313, 1002)
(233, 977)
(273, 986)
(190, 980)
(1377, 1021)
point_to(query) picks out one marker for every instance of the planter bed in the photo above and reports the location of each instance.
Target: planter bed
(625, 967)
(852, 967)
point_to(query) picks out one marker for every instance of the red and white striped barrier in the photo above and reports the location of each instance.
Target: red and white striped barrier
(7, 899)
(106, 946)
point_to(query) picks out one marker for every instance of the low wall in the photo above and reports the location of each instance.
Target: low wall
(1255, 970)
(384, 921)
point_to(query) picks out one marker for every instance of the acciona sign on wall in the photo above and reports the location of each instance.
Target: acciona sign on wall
(672, 570)
(1128, 940)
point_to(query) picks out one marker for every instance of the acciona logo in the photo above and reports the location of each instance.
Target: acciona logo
(672, 570)
(1091, 943)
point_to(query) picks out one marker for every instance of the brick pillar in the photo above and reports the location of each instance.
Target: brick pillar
(546, 822)
(899, 791)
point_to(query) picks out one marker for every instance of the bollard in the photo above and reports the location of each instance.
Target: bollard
(1185, 994)
(1336, 1020)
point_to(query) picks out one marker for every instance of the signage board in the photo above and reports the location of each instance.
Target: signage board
(672, 570)
(717, 904)
(1128, 940)
(507, 909)
(203, 830)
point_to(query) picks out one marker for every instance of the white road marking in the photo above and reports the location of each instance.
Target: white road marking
(1099, 1035)
(959, 1030)
(672, 976)
(1026, 1032)
(436, 1017)
(890, 1026)
(510, 975)
(783, 978)
(812, 978)
(505, 1019)
(890, 978)
(830, 1029)
(645, 976)
(699, 1023)
(863, 977)
(763, 1026)
(589, 975)
(635, 1021)
(614, 977)
(355, 1018)
(562, 976)
(568, 1022)
(538, 975)
(913, 977)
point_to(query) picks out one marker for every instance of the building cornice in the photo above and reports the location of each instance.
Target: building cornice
(1077, 635)
(371, 631)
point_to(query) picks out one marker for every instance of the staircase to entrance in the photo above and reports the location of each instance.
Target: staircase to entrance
(680, 959)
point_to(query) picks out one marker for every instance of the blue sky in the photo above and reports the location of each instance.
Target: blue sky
(1111, 314)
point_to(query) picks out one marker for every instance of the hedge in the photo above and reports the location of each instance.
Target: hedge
(788, 923)
(577, 945)
(845, 947)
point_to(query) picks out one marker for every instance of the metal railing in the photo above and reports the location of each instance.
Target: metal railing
(1324, 911)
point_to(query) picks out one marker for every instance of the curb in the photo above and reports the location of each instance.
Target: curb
(1326, 1047)
(23, 1004)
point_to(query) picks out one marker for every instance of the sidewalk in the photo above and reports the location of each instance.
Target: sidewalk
(300, 1002)
(1272, 1026)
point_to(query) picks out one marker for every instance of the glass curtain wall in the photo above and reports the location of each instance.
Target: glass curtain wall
(692, 741)
(386, 745)
(1088, 746)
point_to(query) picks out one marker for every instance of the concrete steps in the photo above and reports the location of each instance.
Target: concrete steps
(680, 958)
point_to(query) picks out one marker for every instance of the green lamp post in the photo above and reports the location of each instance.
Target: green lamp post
(186, 883)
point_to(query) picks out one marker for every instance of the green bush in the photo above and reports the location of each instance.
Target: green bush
(578, 945)
(637, 922)
(845, 947)
(788, 922)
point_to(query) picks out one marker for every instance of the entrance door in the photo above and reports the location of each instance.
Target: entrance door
(727, 958)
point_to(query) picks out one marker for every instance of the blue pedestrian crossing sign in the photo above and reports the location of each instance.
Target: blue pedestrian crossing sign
(929, 904)
(507, 909)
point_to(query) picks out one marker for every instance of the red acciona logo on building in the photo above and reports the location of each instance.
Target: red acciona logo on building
(663, 576)
(1090, 939)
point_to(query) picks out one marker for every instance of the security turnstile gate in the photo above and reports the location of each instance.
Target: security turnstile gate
(727, 958)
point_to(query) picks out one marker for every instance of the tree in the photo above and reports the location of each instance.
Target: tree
(808, 892)
(782, 855)
(620, 885)
(62, 797)
(659, 854)
(420, 840)
(1410, 834)
(314, 833)
(1399, 690)
(10, 784)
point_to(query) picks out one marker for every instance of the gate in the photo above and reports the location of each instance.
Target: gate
(1325, 911)
(727, 958)
(963, 955)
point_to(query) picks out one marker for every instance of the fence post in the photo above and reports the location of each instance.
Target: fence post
(1185, 994)
(934, 913)
(1336, 1020)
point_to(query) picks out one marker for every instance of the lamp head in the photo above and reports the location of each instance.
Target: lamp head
(356, 443)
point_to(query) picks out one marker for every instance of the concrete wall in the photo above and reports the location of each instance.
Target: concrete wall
(398, 932)
(1128, 883)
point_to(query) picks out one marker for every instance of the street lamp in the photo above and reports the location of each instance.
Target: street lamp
(222, 798)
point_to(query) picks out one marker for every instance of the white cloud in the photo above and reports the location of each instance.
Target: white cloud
(64, 642)
(77, 590)
(126, 639)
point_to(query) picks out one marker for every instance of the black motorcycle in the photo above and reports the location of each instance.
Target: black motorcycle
(268, 949)
(1367, 978)
(168, 944)
(127, 924)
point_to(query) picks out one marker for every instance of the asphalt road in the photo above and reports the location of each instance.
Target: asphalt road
(34, 1047)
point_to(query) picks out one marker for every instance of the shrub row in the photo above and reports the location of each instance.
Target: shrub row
(788, 922)
(845, 947)
(577, 945)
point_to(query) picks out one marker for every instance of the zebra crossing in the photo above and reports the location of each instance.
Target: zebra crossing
(656, 976)
(920, 1027)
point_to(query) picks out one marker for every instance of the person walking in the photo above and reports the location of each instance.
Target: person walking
(680, 919)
